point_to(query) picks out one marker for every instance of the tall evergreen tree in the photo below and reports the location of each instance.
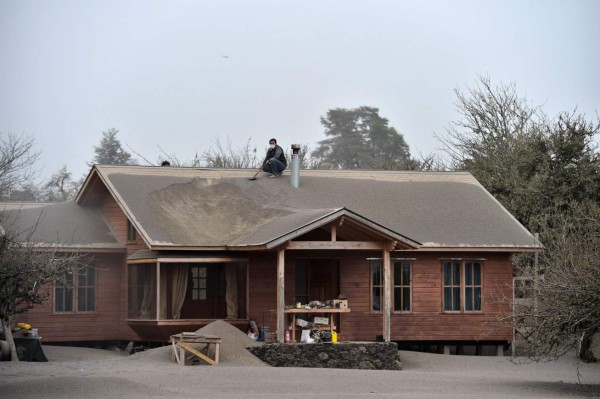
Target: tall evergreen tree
(110, 152)
(360, 138)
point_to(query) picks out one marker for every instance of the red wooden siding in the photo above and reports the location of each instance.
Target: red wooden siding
(105, 323)
(426, 321)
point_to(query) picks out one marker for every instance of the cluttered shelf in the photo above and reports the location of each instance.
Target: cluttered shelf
(324, 320)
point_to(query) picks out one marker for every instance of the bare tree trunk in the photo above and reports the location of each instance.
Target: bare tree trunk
(7, 326)
(585, 353)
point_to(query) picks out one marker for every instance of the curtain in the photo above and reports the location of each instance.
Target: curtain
(231, 290)
(164, 270)
(148, 292)
(179, 283)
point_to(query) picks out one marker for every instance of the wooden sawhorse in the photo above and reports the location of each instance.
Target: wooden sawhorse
(184, 340)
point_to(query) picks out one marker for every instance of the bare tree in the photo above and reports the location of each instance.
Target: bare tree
(228, 156)
(17, 158)
(27, 271)
(546, 173)
(563, 312)
(60, 187)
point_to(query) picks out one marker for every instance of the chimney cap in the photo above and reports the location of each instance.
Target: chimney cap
(296, 148)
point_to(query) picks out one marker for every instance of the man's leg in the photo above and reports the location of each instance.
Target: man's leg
(276, 166)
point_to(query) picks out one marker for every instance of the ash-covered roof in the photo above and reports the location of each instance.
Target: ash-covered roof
(189, 207)
(63, 224)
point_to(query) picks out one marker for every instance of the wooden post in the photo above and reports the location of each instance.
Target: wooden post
(387, 295)
(333, 232)
(280, 295)
(158, 290)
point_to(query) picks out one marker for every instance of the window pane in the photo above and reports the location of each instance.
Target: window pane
(397, 299)
(376, 298)
(447, 273)
(468, 273)
(81, 299)
(456, 298)
(195, 272)
(69, 278)
(202, 294)
(397, 273)
(477, 273)
(406, 273)
(91, 294)
(468, 298)
(202, 272)
(477, 295)
(68, 299)
(456, 274)
(59, 299)
(447, 299)
(202, 283)
(194, 294)
(91, 276)
(406, 299)
(82, 276)
(376, 273)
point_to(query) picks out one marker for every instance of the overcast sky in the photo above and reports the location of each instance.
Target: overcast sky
(181, 74)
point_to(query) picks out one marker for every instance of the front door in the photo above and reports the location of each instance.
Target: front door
(316, 280)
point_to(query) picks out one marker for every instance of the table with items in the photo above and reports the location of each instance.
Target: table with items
(322, 319)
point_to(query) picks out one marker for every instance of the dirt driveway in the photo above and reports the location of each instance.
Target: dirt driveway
(92, 373)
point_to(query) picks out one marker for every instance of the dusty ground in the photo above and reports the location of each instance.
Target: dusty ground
(95, 373)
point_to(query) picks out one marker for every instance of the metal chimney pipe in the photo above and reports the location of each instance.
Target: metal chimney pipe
(295, 175)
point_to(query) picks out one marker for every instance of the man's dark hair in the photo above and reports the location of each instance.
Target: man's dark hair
(273, 140)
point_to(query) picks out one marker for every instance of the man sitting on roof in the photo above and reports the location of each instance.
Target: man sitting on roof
(275, 162)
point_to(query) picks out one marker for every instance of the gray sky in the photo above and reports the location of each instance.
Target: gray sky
(156, 70)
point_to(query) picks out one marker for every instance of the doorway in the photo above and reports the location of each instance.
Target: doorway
(316, 280)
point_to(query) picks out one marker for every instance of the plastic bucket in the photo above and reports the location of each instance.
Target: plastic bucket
(262, 332)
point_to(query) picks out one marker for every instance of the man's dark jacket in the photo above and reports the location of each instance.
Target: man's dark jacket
(276, 153)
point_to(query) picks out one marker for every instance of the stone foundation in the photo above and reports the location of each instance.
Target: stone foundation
(366, 356)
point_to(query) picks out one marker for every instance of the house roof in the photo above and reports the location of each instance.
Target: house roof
(63, 224)
(193, 207)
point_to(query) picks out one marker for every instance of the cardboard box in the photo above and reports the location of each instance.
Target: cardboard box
(271, 337)
(301, 322)
(340, 303)
(321, 320)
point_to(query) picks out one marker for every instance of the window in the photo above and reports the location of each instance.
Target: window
(401, 291)
(131, 232)
(462, 285)
(402, 285)
(76, 292)
(376, 285)
(198, 282)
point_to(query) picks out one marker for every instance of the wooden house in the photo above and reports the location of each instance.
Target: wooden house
(420, 256)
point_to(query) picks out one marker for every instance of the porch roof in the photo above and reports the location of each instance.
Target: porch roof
(191, 207)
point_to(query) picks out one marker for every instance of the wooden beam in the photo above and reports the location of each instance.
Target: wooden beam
(280, 295)
(158, 290)
(387, 295)
(333, 232)
(373, 245)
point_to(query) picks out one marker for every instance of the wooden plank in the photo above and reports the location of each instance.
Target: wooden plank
(348, 245)
(197, 353)
(387, 300)
(280, 295)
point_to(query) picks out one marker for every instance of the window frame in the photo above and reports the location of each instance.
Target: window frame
(462, 285)
(131, 232)
(376, 262)
(381, 286)
(75, 286)
(402, 286)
